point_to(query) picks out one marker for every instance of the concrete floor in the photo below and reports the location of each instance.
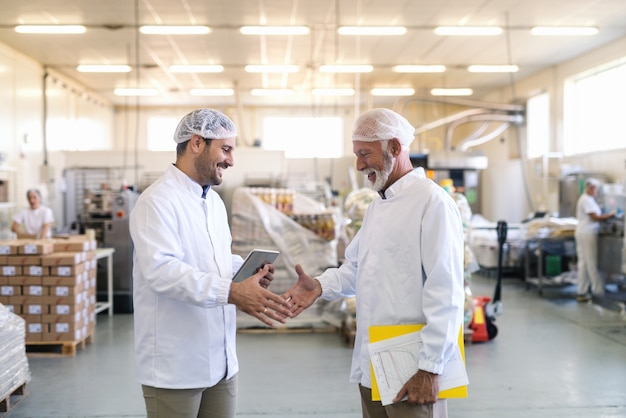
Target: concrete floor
(553, 357)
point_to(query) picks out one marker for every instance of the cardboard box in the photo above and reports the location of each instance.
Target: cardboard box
(35, 270)
(56, 318)
(34, 331)
(68, 270)
(4, 300)
(25, 281)
(26, 300)
(71, 245)
(6, 290)
(62, 280)
(34, 309)
(24, 260)
(66, 290)
(71, 335)
(62, 259)
(3, 260)
(63, 300)
(39, 247)
(35, 290)
(8, 270)
(8, 247)
(65, 309)
(16, 309)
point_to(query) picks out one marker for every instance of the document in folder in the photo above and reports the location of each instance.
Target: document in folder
(380, 333)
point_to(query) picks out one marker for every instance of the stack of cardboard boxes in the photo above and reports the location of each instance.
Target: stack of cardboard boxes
(52, 285)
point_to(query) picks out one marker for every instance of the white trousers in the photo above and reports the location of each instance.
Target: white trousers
(588, 274)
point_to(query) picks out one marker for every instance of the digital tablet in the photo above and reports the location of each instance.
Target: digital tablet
(253, 262)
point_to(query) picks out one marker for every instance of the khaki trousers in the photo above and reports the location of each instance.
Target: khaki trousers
(218, 401)
(375, 409)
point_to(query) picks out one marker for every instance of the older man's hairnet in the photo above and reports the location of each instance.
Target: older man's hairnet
(382, 124)
(207, 123)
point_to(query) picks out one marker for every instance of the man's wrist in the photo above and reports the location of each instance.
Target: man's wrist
(319, 288)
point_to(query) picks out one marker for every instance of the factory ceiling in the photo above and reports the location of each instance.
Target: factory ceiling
(114, 36)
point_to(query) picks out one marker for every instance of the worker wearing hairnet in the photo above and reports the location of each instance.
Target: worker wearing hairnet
(184, 297)
(405, 265)
(589, 215)
(36, 220)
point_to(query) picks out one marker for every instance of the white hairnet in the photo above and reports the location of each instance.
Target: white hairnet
(381, 124)
(207, 123)
(592, 182)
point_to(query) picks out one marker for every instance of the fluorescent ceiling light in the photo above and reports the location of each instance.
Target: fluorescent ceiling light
(274, 30)
(51, 29)
(419, 68)
(271, 92)
(135, 92)
(87, 68)
(392, 92)
(212, 92)
(563, 31)
(196, 68)
(332, 92)
(371, 30)
(346, 68)
(272, 68)
(493, 68)
(451, 92)
(174, 30)
(468, 30)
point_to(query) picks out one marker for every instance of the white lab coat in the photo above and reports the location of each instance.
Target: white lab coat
(183, 266)
(586, 236)
(405, 266)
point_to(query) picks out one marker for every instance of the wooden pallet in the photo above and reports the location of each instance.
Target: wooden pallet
(56, 348)
(13, 399)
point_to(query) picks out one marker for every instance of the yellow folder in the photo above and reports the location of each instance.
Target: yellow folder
(382, 332)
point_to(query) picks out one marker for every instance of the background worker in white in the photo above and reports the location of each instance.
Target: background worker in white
(184, 297)
(589, 216)
(405, 265)
(36, 220)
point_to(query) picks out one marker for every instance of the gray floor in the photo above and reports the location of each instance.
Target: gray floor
(553, 357)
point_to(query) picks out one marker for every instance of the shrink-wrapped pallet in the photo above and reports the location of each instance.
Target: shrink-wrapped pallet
(14, 371)
(256, 224)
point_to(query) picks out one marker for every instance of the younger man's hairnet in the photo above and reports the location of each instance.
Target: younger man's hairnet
(382, 124)
(207, 123)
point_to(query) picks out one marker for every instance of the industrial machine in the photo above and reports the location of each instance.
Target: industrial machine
(91, 203)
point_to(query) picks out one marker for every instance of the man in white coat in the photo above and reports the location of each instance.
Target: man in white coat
(405, 266)
(184, 296)
(589, 216)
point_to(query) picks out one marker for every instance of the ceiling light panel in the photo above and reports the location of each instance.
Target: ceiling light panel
(96, 68)
(174, 30)
(271, 92)
(274, 30)
(51, 29)
(372, 30)
(346, 68)
(332, 92)
(272, 68)
(468, 30)
(419, 68)
(196, 68)
(493, 68)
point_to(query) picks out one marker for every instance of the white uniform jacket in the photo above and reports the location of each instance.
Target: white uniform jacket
(34, 219)
(585, 205)
(405, 266)
(183, 266)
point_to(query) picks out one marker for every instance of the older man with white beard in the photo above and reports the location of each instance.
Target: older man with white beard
(405, 265)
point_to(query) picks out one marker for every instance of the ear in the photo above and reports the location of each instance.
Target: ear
(194, 143)
(395, 147)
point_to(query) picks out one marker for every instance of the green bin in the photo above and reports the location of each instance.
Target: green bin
(553, 265)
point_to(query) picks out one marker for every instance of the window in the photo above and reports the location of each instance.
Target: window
(538, 125)
(304, 137)
(593, 110)
(160, 131)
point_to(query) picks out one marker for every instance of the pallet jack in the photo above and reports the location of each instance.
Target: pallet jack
(485, 308)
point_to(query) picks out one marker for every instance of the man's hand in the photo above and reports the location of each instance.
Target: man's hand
(303, 293)
(422, 389)
(269, 276)
(251, 297)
